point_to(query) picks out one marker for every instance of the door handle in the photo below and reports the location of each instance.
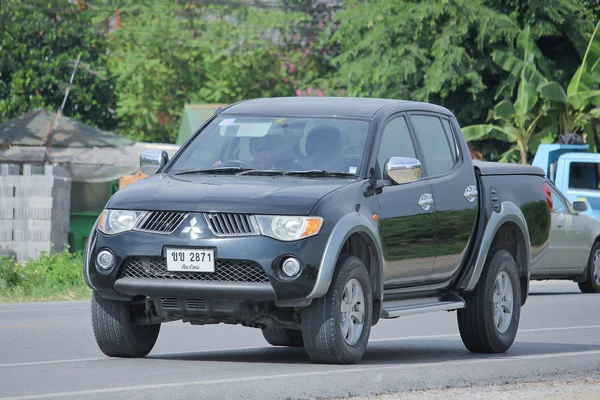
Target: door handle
(560, 221)
(426, 201)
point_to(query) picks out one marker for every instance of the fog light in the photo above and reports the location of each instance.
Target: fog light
(105, 260)
(291, 267)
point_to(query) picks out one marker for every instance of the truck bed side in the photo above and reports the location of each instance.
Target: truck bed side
(513, 213)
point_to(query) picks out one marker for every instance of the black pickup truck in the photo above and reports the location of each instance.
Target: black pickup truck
(312, 219)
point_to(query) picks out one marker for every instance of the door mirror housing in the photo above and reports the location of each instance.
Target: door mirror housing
(152, 161)
(402, 170)
(580, 206)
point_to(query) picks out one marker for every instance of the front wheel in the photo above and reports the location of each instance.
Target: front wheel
(336, 327)
(592, 282)
(116, 333)
(490, 320)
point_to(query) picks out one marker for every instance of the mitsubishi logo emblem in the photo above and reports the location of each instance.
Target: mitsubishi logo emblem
(193, 230)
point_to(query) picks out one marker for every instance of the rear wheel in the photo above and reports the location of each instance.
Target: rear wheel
(592, 282)
(116, 333)
(490, 320)
(283, 337)
(336, 327)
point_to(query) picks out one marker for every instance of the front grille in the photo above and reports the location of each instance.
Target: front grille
(225, 271)
(161, 221)
(232, 224)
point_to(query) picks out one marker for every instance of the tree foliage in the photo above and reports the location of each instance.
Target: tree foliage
(143, 60)
(39, 43)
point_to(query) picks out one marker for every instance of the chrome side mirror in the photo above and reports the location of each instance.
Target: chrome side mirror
(152, 161)
(402, 169)
(580, 206)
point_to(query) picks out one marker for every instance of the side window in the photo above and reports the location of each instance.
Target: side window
(584, 175)
(558, 204)
(450, 137)
(437, 153)
(395, 142)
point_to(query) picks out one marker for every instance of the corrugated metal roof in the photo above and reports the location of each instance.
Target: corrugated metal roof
(31, 130)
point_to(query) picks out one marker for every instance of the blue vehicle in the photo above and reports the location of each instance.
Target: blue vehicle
(574, 171)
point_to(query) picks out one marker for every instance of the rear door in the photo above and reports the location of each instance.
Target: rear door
(406, 226)
(454, 190)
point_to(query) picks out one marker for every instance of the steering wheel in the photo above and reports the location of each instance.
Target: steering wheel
(235, 163)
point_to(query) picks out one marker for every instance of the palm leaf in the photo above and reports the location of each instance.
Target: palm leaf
(486, 131)
(588, 74)
(511, 156)
(553, 91)
(504, 110)
(527, 96)
(546, 135)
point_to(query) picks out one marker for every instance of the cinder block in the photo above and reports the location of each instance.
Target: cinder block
(6, 190)
(6, 208)
(6, 231)
(10, 169)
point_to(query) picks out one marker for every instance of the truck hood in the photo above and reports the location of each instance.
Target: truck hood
(236, 194)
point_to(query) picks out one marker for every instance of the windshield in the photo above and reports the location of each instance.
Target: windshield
(277, 143)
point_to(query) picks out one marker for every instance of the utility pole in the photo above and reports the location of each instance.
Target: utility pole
(50, 134)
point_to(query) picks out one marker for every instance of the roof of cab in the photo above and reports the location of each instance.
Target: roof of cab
(357, 107)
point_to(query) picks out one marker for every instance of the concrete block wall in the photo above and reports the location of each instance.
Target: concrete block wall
(34, 209)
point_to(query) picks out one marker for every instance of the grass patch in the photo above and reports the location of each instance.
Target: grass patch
(51, 277)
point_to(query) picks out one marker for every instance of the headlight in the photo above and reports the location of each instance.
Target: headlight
(112, 222)
(289, 228)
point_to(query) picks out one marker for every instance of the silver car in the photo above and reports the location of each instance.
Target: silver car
(574, 251)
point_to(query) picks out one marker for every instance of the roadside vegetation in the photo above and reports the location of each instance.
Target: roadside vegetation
(51, 277)
(520, 72)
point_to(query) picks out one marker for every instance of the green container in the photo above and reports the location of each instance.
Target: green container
(81, 226)
(87, 201)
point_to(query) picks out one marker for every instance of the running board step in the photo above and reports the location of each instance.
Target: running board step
(398, 308)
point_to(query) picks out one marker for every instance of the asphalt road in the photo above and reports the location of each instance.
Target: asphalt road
(47, 350)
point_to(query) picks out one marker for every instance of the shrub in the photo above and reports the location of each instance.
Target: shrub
(54, 275)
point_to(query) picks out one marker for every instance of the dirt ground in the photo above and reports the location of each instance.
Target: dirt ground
(584, 389)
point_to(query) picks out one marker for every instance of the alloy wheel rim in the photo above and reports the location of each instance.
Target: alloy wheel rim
(503, 301)
(352, 311)
(597, 267)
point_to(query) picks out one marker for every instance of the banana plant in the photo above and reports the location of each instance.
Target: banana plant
(572, 110)
(514, 122)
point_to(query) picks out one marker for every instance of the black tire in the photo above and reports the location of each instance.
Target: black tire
(283, 337)
(476, 321)
(321, 321)
(592, 281)
(116, 334)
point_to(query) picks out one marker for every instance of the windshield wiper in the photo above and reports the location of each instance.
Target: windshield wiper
(213, 170)
(321, 172)
(266, 172)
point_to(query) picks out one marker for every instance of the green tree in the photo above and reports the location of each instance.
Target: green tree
(439, 51)
(39, 43)
(165, 54)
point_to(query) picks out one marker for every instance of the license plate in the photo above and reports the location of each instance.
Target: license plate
(191, 260)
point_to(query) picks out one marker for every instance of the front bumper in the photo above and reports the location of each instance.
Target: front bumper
(261, 250)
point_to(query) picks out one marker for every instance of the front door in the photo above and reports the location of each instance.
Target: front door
(454, 188)
(406, 214)
(569, 239)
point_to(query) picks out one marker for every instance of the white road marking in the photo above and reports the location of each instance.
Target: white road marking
(24, 364)
(192, 352)
(450, 335)
(22, 310)
(357, 369)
